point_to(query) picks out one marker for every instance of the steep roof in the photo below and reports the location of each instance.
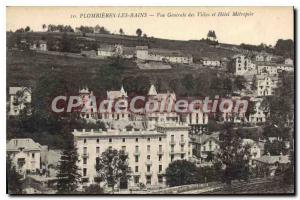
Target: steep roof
(152, 91)
(14, 90)
(206, 137)
(116, 94)
(26, 143)
(273, 159)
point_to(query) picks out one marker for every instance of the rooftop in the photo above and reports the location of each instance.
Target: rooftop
(27, 144)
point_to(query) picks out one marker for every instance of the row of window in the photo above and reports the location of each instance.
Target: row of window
(123, 140)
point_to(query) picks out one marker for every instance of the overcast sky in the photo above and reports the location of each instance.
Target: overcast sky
(265, 24)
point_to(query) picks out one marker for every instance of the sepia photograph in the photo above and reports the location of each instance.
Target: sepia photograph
(150, 100)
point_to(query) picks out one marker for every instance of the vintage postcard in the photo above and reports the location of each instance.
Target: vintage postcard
(150, 100)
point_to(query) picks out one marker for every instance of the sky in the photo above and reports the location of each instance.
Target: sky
(262, 25)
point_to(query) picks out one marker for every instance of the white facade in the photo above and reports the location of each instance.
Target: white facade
(213, 63)
(289, 61)
(243, 65)
(149, 152)
(25, 154)
(259, 115)
(255, 150)
(266, 86)
(19, 97)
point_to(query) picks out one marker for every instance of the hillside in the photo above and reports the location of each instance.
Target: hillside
(197, 48)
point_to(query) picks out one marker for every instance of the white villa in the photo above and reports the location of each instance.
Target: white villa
(243, 65)
(162, 55)
(149, 152)
(19, 97)
(259, 115)
(266, 85)
(25, 154)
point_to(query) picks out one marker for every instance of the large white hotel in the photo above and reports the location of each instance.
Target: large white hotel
(149, 152)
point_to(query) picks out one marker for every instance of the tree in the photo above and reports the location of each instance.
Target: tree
(139, 32)
(112, 167)
(68, 177)
(94, 189)
(121, 31)
(253, 85)
(27, 29)
(14, 179)
(181, 172)
(284, 48)
(44, 26)
(233, 156)
(240, 82)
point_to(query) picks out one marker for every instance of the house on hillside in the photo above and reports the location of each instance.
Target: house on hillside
(267, 165)
(259, 115)
(288, 61)
(211, 62)
(25, 155)
(162, 55)
(19, 98)
(266, 85)
(243, 65)
(255, 149)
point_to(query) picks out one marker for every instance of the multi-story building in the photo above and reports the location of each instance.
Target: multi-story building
(259, 115)
(162, 55)
(266, 85)
(243, 65)
(211, 62)
(25, 155)
(20, 97)
(254, 148)
(289, 61)
(149, 152)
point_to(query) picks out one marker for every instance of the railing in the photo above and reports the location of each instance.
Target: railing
(160, 152)
(148, 162)
(182, 142)
(85, 154)
(136, 153)
(172, 142)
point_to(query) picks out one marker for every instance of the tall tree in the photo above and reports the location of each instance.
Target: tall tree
(112, 167)
(14, 179)
(68, 176)
(139, 32)
(27, 29)
(181, 172)
(233, 155)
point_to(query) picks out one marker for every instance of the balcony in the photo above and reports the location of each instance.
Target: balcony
(182, 142)
(149, 173)
(85, 155)
(162, 172)
(136, 173)
(136, 153)
(148, 162)
(172, 142)
(160, 152)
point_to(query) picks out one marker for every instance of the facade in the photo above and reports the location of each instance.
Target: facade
(255, 149)
(19, 97)
(266, 85)
(268, 164)
(205, 145)
(25, 155)
(211, 62)
(259, 115)
(162, 55)
(289, 61)
(243, 65)
(149, 152)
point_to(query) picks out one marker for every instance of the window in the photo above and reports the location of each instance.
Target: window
(148, 148)
(172, 158)
(172, 138)
(98, 140)
(159, 168)
(123, 139)
(136, 139)
(148, 139)
(84, 150)
(182, 137)
(159, 139)
(84, 172)
(136, 180)
(160, 148)
(84, 141)
(124, 148)
(110, 140)
(182, 156)
(32, 155)
(84, 161)
(172, 148)
(97, 149)
(136, 148)
(182, 147)
(136, 168)
(148, 168)
(159, 157)
(160, 179)
(136, 158)
(148, 180)
(148, 157)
